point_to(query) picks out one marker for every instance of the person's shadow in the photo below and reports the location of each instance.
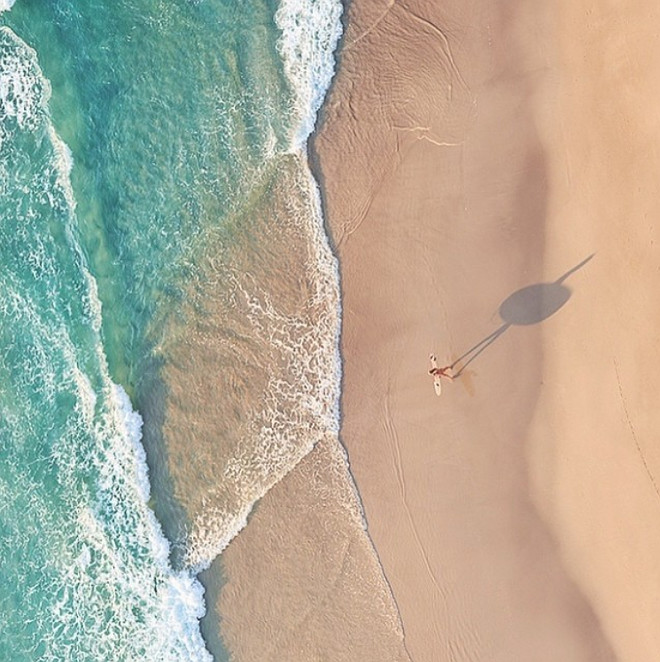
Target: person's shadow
(530, 305)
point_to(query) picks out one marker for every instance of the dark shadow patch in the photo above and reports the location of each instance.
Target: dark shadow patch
(527, 306)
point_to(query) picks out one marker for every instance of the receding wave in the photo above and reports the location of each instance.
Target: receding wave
(310, 32)
(255, 384)
(251, 359)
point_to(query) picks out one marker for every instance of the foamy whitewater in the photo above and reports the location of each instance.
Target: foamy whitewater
(140, 146)
(84, 563)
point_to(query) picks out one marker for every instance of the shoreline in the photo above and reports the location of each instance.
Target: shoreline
(318, 177)
(319, 506)
(456, 177)
(243, 574)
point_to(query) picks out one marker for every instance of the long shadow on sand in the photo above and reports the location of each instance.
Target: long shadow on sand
(529, 305)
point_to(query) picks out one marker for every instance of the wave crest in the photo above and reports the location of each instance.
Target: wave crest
(310, 32)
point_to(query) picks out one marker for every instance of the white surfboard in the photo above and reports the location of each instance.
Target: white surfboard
(437, 380)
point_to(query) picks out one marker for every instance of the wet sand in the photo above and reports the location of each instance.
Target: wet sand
(302, 581)
(468, 151)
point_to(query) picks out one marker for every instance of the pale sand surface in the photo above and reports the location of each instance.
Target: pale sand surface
(516, 516)
(592, 451)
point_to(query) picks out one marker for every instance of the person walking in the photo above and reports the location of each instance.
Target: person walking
(440, 372)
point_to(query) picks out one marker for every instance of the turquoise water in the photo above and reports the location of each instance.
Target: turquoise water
(135, 139)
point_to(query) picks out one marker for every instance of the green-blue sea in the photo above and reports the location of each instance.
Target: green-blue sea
(168, 306)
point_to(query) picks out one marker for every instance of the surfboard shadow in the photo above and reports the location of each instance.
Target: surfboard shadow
(529, 305)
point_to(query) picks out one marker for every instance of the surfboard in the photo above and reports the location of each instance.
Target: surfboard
(437, 381)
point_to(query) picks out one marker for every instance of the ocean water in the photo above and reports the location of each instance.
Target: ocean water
(165, 286)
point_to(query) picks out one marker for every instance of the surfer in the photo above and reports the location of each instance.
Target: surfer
(438, 373)
(442, 372)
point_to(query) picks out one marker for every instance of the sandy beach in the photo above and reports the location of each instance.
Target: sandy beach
(467, 152)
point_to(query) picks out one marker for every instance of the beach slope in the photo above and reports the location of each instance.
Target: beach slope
(488, 175)
(473, 157)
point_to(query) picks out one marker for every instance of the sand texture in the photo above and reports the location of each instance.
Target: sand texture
(301, 581)
(489, 173)
(471, 150)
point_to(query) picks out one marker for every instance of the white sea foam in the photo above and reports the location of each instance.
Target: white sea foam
(329, 265)
(24, 96)
(112, 591)
(24, 92)
(130, 427)
(86, 395)
(310, 32)
(299, 405)
(179, 600)
(63, 165)
(93, 301)
(299, 410)
(6, 5)
(122, 548)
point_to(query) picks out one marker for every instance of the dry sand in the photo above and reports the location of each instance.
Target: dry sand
(470, 150)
